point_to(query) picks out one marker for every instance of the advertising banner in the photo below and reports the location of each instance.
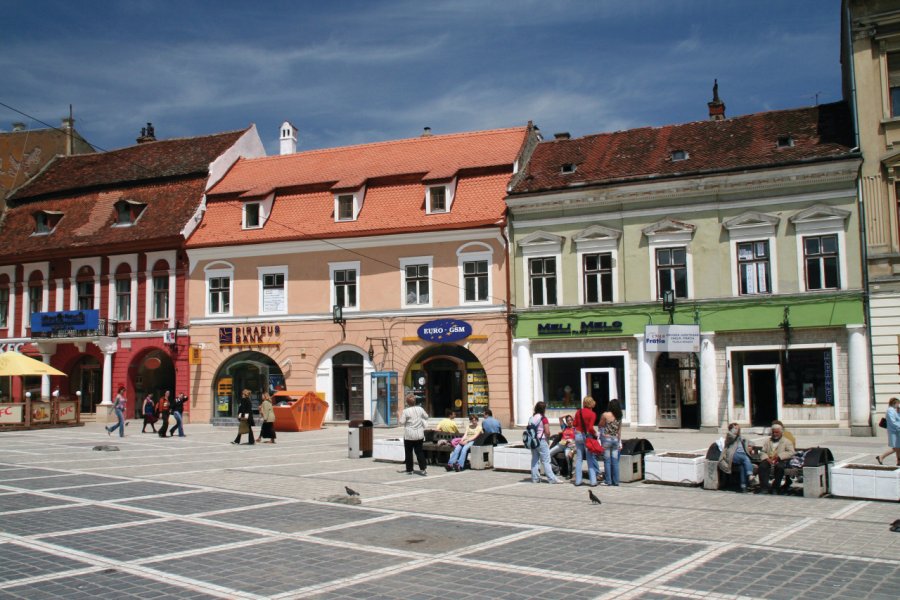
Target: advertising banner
(65, 320)
(11, 414)
(672, 338)
(66, 412)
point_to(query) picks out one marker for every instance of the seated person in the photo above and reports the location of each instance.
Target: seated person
(735, 454)
(776, 452)
(457, 460)
(447, 424)
(566, 443)
(489, 424)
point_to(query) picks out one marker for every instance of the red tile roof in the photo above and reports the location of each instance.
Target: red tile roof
(88, 217)
(142, 162)
(23, 153)
(741, 143)
(395, 174)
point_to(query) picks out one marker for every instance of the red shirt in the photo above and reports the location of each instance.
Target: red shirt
(584, 421)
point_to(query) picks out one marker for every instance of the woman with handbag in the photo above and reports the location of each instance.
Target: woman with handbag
(457, 460)
(584, 432)
(413, 421)
(267, 413)
(892, 424)
(611, 438)
(245, 419)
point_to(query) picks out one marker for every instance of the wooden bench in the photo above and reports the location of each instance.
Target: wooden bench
(813, 475)
(437, 453)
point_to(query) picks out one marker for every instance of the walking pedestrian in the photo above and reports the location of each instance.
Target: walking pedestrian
(611, 438)
(267, 413)
(892, 421)
(177, 413)
(119, 406)
(245, 419)
(541, 454)
(413, 420)
(149, 410)
(165, 404)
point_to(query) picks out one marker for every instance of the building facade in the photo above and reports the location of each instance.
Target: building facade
(870, 53)
(361, 273)
(93, 268)
(700, 273)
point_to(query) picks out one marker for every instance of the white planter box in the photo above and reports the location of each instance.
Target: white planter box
(390, 449)
(874, 482)
(674, 467)
(512, 458)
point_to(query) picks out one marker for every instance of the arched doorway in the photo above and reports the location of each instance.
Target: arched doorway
(155, 374)
(253, 371)
(87, 378)
(347, 386)
(449, 377)
(677, 391)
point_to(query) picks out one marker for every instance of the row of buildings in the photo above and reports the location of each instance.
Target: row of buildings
(726, 269)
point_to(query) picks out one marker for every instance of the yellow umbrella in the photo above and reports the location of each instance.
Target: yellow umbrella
(14, 363)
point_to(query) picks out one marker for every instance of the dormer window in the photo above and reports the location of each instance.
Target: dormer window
(438, 199)
(251, 216)
(128, 212)
(345, 207)
(785, 141)
(45, 221)
(680, 155)
(567, 168)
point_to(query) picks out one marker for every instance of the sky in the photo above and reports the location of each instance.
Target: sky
(357, 71)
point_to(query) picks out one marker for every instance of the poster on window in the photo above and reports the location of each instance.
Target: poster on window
(273, 300)
(477, 391)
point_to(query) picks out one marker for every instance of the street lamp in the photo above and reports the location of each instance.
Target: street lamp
(669, 304)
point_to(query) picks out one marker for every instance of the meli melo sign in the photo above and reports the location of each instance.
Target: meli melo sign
(672, 338)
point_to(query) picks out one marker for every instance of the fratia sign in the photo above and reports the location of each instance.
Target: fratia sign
(672, 338)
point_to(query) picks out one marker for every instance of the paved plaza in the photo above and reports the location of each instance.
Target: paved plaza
(200, 518)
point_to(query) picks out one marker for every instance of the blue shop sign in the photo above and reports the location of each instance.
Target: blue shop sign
(65, 320)
(445, 330)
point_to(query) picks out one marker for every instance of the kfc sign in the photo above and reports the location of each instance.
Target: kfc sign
(11, 347)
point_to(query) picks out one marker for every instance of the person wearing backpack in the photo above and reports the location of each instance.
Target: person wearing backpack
(584, 429)
(538, 430)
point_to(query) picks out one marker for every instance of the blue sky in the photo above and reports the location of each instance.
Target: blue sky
(354, 71)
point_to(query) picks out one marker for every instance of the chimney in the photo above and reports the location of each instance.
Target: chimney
(562, 135)
(426, 132)
(716, 107)
(288, 138)
(68, 125)
(18, 126)
(147, 134)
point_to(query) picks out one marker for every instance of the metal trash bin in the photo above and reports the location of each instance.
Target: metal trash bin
(631, 459)
(711, 472)
(481, 454)
(360, 439)
(816, 474)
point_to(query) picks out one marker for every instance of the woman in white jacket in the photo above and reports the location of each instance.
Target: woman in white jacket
(413, 420)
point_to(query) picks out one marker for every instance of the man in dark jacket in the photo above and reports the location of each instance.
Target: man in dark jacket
(177, 410)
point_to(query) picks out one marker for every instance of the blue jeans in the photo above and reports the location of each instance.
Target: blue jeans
(459, 454)
(742, 462)
(120, 425)
(610, 459)
(541, 455)
(177, 425)
(593, 467)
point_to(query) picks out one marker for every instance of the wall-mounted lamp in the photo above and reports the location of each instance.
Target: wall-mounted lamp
(337, 315)
(371, 350)
(668, 300)
(786, 327)
(512, 319)
(171, 338)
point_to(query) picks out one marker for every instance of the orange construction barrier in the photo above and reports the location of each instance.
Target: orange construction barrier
(305, 411)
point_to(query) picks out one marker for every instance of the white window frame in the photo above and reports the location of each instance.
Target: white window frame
(114, 263)
(153, 296)
(4, 314)
(669, 234)
(449, 195)
(537, 372)
(275, 270)
(27, 271)
(245, 215)
(219, 269)
(410, 261)
(597, 239)
(132, 219)
(358, 199)
(344, 266)
(115, 286)
(10, 272)
(817, 221)
(472, 252)
(752, 227)
(541, 244)
(75, 266)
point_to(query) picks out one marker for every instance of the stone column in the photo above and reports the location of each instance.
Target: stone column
(646, 417)
(108, 352)
(858, 380)
(709, 384)
(524, 392)
(45, 379)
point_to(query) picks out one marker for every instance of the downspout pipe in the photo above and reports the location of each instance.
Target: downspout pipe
(509, 329)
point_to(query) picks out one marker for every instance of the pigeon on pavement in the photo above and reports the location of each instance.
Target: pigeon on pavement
(594, 499)
(351, 492)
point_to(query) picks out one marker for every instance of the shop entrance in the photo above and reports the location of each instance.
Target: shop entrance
(155, 375)
(347, 375)
(252, 371)
(599, 384)
(449, 377)
(87, 378)
(762, 386)
(677, 396)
